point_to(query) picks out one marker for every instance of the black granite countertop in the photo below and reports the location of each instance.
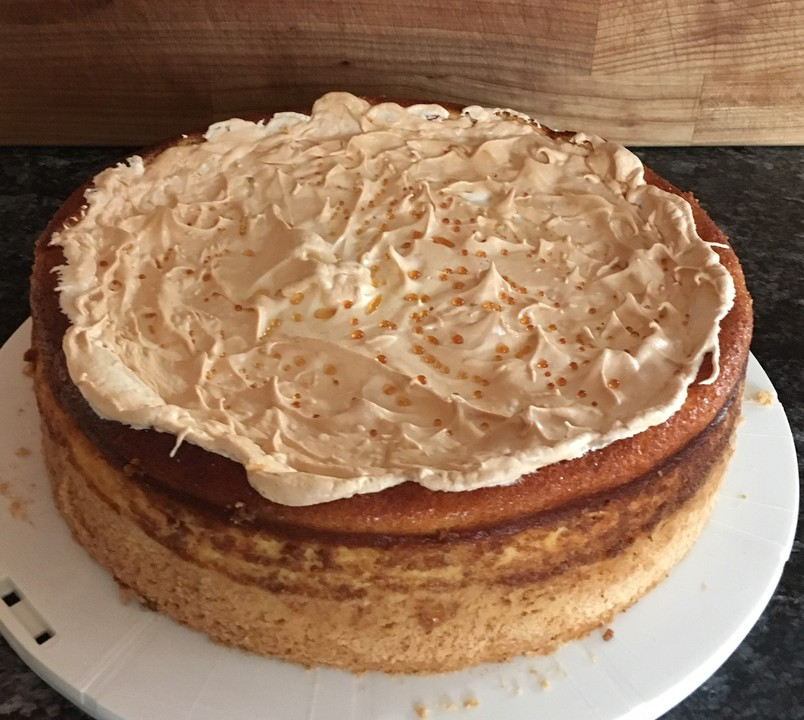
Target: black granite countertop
(756, 195)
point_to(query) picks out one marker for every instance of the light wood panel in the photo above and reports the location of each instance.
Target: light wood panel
(642, 72)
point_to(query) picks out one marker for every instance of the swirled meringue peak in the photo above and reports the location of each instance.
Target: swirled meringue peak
(375, 294)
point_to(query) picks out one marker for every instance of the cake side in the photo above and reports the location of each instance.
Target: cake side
(411, 605)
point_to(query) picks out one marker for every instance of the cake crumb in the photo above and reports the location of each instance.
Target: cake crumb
(544, 684)
(22, 451)
(126, 596)
(742, 496)
(763, 397)
(471, 702)
(28, 360)
(17, 506)
(421, 711)
(608, 635)
(447, 704)
(19, 510)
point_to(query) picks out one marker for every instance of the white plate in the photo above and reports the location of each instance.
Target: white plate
(121, 662)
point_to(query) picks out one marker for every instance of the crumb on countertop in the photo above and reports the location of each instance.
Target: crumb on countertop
(22, 451)
(471, 702)
(608, 634)
(421, 711)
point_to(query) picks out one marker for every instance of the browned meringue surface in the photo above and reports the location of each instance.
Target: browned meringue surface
(375, 294)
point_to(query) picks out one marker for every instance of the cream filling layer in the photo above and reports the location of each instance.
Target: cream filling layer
(371, 295)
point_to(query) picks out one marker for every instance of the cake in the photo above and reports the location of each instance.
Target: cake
(388, 386)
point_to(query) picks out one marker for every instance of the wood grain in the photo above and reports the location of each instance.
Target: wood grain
(638, 71)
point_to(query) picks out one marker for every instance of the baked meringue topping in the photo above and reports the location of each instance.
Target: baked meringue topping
(376, 294)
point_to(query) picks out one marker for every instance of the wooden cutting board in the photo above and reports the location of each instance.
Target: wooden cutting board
(671, 72)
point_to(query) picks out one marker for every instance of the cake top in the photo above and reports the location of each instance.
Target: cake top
(375, 294)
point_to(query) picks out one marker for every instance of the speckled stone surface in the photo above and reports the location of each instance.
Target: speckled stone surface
(756, 195)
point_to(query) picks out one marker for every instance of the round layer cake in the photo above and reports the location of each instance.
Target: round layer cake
(387, 387)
